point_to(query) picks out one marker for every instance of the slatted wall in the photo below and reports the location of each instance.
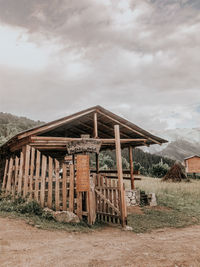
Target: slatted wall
(41, 178)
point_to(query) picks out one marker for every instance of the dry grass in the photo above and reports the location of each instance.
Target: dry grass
(182, 199)
(155, 185)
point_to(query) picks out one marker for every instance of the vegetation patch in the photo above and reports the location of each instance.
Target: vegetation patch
(33, 214)
(181, 202)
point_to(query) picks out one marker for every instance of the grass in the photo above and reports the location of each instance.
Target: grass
(181, 202)
(32, 214)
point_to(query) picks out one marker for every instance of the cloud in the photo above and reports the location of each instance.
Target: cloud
(138, 58)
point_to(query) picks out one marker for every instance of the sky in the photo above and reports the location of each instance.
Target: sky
(137, 58)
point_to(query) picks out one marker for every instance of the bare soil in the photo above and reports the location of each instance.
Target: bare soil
(24, 245)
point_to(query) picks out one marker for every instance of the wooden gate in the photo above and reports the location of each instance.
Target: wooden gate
(108, 201)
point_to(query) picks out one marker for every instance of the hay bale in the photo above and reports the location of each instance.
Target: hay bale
(175, 174)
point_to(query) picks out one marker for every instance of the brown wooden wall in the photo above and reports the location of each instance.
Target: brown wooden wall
(193, 165)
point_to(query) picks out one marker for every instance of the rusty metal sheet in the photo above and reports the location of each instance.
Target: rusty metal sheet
(83, 173)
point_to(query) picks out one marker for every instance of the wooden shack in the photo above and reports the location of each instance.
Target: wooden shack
(50, 163)
(192, 164)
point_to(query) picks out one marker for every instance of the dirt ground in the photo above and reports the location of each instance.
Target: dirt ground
(24, 245)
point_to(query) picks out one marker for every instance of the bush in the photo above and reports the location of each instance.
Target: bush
(19, 204)
(159, 170)
(31, 207)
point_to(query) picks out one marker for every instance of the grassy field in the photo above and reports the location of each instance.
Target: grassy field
(179, 205)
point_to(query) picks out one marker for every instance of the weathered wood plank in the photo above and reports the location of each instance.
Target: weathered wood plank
(131, 167)
(16, 166)
(71, 189)
(57, 187)
(37, 175)
(5, 175)
(79, 205)
(64, 187)
(120, 174)
(43, 181)
(50, 185)
(9, 180)
(32, 172)
(26, 171)
(19, 187)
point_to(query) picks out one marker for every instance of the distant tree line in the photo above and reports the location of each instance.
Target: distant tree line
(148, 164)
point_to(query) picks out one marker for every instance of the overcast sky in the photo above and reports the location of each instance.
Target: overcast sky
(137, 58)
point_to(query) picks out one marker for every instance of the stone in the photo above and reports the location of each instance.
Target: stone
(66, 217)
(153, 201)
(48, 210)
(127, 228)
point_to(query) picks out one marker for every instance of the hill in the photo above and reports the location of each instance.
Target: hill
(10, 125)
(182, 143)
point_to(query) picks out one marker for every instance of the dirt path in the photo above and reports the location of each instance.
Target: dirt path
(24, 245)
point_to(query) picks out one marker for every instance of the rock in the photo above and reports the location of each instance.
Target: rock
(153, 201)
(48, 210)
(66, 217)
(127, 228)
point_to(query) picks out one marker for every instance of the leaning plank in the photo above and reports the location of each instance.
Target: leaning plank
(26, 172)
(10, 170)
(107, 201)
(64, 188)
(50, 188)
(57, 188)
(43, 181)
(37, 176)
(19, 187)
(31, 172)
(5, 175)
(71, 189)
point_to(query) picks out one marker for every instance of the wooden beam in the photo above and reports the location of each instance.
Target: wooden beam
(131, 167)
(120, 175)
(92, 128)
(53, 125)
(63, 140)
(95, 125)
(131, 129)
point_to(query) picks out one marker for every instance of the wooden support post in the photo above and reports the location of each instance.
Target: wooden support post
(131, 167)
(97, 163)
(120, 175)
(95, 125)
(91, 201)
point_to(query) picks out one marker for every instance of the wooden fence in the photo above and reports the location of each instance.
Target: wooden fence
(41, 178)
(53, 184)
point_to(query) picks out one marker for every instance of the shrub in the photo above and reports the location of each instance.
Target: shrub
(31, 207)
(159, 170)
